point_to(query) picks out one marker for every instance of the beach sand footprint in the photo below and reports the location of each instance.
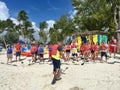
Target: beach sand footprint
(75, 88)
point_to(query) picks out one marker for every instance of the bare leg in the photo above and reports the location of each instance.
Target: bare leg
(7, 61)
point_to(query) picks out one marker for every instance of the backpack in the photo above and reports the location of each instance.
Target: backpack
(9, 50)
(40, 49)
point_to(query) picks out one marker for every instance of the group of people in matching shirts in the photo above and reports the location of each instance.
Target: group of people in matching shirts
(88, 51)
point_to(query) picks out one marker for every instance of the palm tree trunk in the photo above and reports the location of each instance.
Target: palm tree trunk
(118, 34)
(4, 42)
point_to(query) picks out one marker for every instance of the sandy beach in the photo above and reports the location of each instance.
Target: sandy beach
(90, 76)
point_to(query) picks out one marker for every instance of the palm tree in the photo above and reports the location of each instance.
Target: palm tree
(22, 17)
(65, 26)
(42, 25)
(42, 33)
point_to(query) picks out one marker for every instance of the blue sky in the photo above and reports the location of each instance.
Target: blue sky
(39, 10)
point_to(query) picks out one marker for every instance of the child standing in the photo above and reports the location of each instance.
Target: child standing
(33, 51)
(103, 51)
(9, 54)
(50, 51)
(96, 49)
(68, 48)
(41, 52)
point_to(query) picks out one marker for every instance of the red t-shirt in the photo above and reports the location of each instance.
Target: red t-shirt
(34, 48)
(18, 47)
(96, 47)
(68, 47)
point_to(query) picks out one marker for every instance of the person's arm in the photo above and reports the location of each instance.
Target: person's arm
(61, 52)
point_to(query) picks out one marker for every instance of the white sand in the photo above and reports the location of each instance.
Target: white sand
(91, 76)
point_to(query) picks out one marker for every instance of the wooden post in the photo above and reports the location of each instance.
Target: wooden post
(118, 38)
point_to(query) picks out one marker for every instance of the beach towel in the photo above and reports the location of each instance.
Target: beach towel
(105, 38)
(95, 38)
(79, 42)
(84, 39)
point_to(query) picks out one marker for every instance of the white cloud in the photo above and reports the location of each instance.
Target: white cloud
(35, 34)
(15, 21)
(4, 14)
(72, 13)
(50, 24)
(4, 11)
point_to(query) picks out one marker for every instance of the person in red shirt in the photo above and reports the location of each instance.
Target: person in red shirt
(113, 46)
(18, 47)
(82, 50)
(92, 50)
(67, 49)
(33, 51)
(96, 49)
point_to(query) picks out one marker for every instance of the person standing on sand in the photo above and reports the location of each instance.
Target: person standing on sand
(18, 47)
(57, 53)
(33, 50)
(74, 45)
(103, 48)
(96, 50)
(50, 51)
(67, 49)
(9, 53)
(41, 52)
(113, 46)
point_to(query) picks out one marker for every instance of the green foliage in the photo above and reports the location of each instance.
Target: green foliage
(95, 14)
(11, 37)
(22, 15)
(62, 28)
(42, 32)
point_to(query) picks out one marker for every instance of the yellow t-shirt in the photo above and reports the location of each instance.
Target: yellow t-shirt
(57, 56)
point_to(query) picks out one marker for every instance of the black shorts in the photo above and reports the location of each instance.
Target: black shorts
(56, 64)
(92, 51)
(103, 54)
(18, 54)
(74, 54)
(40, 55)
(67, 51)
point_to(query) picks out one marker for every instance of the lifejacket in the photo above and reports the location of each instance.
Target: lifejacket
(74, 45)
(68, 47)
(18, 47)
(33, 49)
(9, 50)
(96, 48)
(112, 42)
(54, 49)
(82, 48)
(103, 47)
(40, 49)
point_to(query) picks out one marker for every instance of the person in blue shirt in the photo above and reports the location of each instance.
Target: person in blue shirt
(41, 52)
(9, 54)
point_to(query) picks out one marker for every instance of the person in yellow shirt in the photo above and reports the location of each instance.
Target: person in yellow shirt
(57, 53)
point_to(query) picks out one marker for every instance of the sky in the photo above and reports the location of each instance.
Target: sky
(37, 10)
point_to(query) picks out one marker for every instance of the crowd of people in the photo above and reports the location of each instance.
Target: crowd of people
(88, 51)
